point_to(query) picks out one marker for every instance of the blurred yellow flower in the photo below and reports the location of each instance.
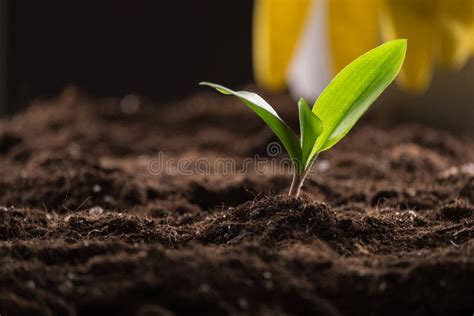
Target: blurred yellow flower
(438, 32)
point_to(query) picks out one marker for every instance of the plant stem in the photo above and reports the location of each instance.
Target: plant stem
(296, 183)
(299, 177)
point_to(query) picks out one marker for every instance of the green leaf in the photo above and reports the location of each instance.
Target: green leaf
(354, 89)
(310, 127)
(268, 115)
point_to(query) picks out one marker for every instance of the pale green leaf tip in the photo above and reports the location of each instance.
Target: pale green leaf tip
(400, 43)
(216, 86)
(302, 101)
(401, 46)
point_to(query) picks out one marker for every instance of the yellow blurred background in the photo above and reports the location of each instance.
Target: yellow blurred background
(301, 44)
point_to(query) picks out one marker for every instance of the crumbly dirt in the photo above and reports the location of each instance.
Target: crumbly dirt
(90, 226)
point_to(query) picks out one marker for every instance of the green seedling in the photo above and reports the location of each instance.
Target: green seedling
(338, 108)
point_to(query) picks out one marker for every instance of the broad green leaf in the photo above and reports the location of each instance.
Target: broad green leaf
(354, 89)
(268, 115)
(310, 127)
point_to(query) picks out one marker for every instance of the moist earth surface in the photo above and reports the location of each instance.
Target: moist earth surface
(121, 207)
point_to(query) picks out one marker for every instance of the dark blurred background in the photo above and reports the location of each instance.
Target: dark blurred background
(160, 49)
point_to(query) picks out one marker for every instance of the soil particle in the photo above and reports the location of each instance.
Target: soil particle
(456, 211)
(64, 183)
(467, 191)
(412, 157)
(8, 141)
(270, 221)
(15, 224)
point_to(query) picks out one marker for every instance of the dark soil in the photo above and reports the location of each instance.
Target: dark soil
(385, 227)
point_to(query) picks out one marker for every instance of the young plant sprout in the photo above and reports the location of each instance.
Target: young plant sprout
(335, 112)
